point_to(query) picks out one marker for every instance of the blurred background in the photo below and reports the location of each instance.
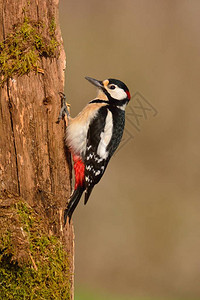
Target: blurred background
(139, 235)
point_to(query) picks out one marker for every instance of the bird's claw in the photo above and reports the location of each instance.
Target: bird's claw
(64, 109)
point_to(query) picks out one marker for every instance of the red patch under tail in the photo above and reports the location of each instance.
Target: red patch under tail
(79, 170)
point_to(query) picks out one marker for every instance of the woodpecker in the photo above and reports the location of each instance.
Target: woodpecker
(94, 135)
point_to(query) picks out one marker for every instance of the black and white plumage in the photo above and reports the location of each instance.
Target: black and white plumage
(94, 135)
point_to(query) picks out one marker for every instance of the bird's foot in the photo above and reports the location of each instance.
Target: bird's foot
(64, 109)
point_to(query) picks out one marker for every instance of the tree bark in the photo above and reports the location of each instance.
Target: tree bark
(34, 163)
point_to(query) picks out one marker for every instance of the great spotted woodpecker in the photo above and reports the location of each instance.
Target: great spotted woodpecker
(94, 135)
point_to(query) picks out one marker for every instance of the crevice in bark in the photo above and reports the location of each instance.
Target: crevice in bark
(10, 106)
(3, 25)
(49, 154)
(37, 10)
(47, 119)
(13, 135)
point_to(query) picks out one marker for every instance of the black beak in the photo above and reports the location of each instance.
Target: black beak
(95, 82)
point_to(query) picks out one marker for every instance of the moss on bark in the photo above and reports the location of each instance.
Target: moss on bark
(33, 263)
(22, 49)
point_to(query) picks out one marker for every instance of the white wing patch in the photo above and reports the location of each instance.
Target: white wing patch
(118, 93)
(105, 136)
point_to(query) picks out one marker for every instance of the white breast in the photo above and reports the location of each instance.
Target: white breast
(76, 135)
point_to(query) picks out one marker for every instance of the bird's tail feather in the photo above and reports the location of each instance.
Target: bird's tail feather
(74, 200)
(87, 193)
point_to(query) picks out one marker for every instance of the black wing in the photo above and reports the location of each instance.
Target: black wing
(95, 163)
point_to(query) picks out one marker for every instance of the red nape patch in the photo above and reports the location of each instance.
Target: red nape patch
(79, 170)
(128, 94)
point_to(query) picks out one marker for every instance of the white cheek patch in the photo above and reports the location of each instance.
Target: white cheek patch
(118, 93)
(106, 136)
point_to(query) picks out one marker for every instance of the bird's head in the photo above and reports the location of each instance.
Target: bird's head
(112, 90)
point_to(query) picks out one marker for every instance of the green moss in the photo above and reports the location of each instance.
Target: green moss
(22, 49)
(46, 274)
(6, 246)
(52, 27)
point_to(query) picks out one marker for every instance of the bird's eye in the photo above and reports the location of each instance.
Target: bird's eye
(112, 87)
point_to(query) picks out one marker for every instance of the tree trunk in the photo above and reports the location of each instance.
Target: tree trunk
(35, 168)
